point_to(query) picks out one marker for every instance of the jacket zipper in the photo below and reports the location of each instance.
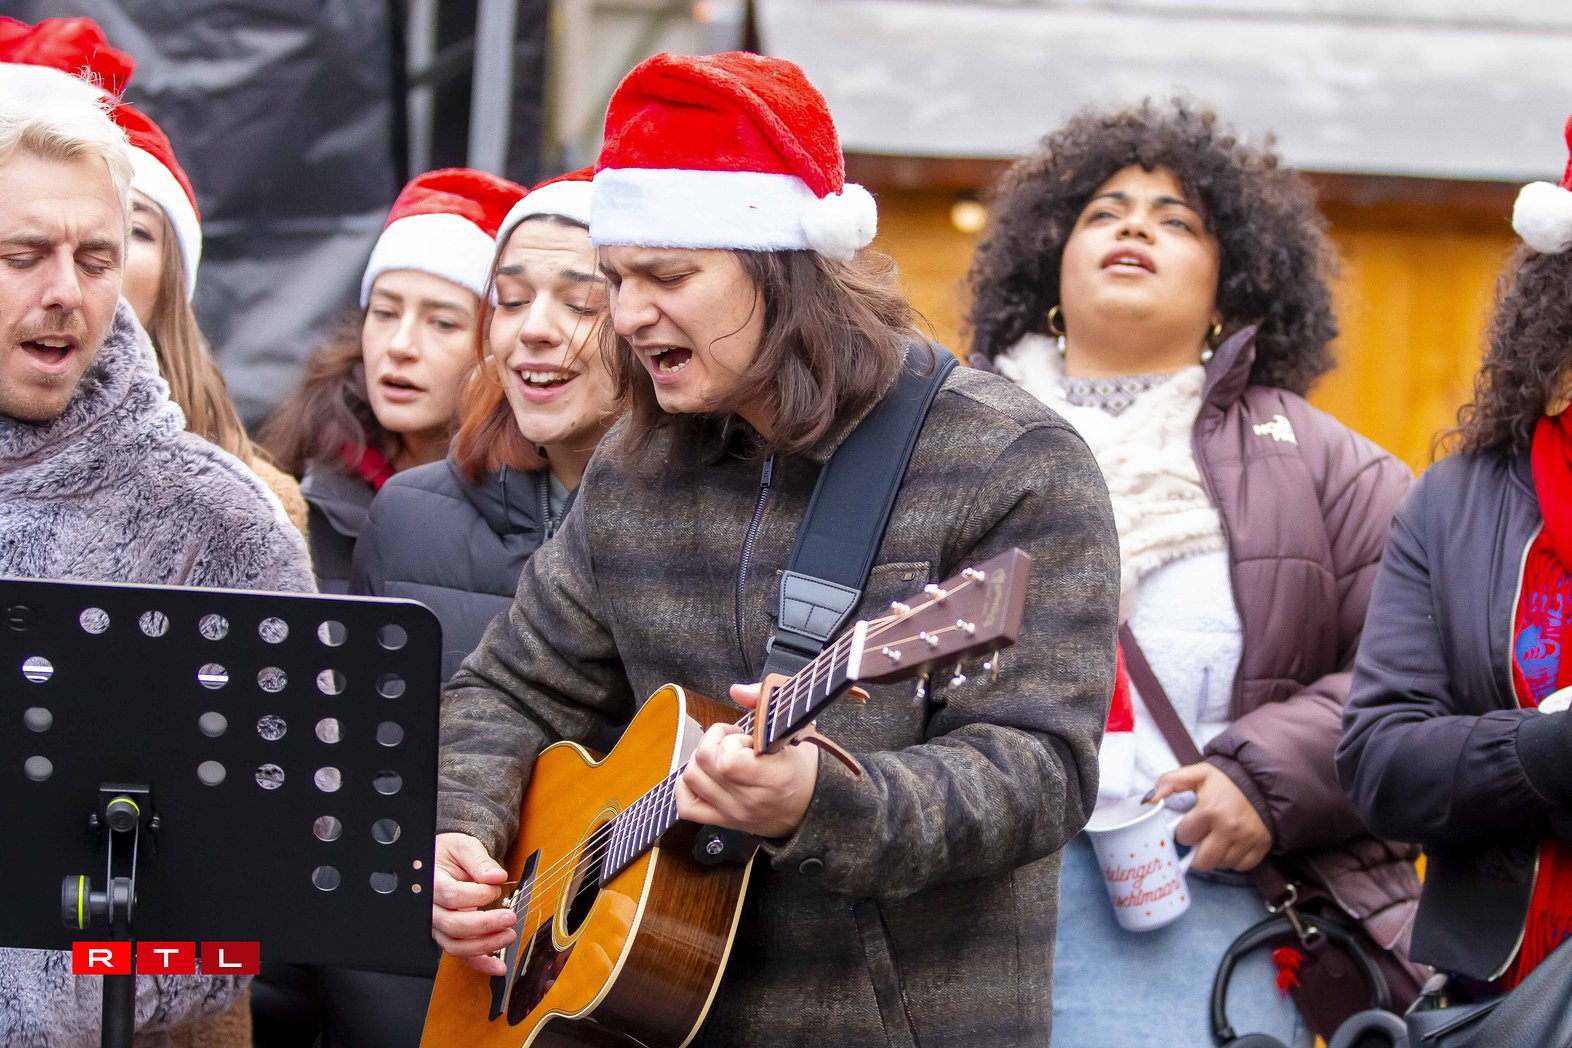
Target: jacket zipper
(747, 548)
(1533, 881)
(1236, 691)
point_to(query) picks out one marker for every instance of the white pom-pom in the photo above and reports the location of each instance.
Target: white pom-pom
(841, 223)
(1542, 216)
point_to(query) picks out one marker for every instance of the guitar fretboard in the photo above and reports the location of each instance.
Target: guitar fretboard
(636, 829)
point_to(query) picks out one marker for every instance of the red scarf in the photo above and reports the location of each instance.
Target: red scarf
(370, 465)
(1542, 629)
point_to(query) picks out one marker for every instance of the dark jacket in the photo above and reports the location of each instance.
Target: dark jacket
(337, 505)
(916, 904)
(457, 547)
(1435, 747)
(1305, 504)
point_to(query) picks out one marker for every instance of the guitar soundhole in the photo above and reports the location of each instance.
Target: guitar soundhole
(585, 889)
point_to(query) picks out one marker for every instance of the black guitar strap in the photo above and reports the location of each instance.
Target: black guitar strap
(848, 513)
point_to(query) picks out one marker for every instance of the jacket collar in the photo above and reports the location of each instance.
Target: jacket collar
(1228, 372)
(119, 411)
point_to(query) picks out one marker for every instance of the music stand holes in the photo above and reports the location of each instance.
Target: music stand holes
(388, 783)
(332, 633)
(39, 768)
(390, 686)
(212, 724)
(212, 676)
(392, 637)
(385, 831)
(390, 734)
(272, 727)
(38, 719)
(417, 864)
(327, 828)
(328, 779)
(415, 887)
(331, 682)
(37, 669)
(273, 630)
(270, 776)
(153, 623)
(384, 882)
(329, 730)
(93, 620)
(211, 773)
(213, 627)
(271, 679)
(326, 878)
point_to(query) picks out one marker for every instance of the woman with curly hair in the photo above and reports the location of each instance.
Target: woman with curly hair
(1163, 285)
(1457, 734)
(382, 395)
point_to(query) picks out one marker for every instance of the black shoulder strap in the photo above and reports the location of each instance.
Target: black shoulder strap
(846, 518)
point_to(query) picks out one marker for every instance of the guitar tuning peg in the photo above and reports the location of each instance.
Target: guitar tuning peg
(990, 666)
(922, 688)
(957, 678)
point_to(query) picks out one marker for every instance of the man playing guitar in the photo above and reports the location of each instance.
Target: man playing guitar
(913, 901)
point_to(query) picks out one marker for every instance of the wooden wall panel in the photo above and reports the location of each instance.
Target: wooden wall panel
(1415, 289)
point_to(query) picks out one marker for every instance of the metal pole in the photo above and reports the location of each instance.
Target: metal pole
(420, 48)
(491, 99)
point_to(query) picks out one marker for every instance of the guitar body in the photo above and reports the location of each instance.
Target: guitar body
(634, 961)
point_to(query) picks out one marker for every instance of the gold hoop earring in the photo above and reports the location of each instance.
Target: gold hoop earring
(1217, 330)
(1212, 338)
(1055, 322)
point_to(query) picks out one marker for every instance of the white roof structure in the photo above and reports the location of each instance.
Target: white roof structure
(1463, 89)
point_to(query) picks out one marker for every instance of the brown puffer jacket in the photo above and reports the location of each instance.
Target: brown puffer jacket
(1306, 505)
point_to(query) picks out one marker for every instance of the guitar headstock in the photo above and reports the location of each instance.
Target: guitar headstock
(975, 612)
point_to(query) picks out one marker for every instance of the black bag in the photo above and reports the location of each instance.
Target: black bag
(1535, 1013)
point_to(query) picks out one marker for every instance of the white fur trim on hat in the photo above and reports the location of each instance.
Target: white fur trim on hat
(443, 245)
(1115, 766)
(741, 210)
(1542, 216)
(570, 200)
(154, 180)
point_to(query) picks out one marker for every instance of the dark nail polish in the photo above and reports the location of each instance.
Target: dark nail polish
(1151, 795)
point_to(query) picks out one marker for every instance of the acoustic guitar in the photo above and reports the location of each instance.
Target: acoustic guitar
(623, 931)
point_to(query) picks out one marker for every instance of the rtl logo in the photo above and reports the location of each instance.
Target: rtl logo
(165, 958)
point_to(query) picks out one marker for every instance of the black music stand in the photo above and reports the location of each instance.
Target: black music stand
(261, 766)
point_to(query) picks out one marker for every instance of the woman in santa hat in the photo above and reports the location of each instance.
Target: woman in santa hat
(382, 395)
(910, 902)
(1163, 285)
(1457, 734)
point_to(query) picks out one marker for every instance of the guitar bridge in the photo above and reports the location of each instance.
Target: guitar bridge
(518, 902)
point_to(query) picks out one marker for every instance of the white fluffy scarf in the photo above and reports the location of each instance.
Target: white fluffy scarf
(1160, 506)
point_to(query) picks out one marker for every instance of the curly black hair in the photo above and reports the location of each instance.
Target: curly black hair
(1526, 360)
(1274, 257)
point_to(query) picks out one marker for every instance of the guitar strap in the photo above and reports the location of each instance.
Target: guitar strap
(839, 536)
(848, 514)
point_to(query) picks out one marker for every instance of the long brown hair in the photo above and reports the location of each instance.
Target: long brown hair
(835, 335)
(195, 382)
(330, 411)
(1528, 361)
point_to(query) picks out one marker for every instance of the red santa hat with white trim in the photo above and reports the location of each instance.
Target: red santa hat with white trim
(566, 196)
(72, 45)
(444, 223)
(732, 150)
(158, 175)
(1542, 215)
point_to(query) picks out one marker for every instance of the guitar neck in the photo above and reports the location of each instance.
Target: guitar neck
(636, 829)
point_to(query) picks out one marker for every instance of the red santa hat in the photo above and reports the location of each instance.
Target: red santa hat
(732, 150)
(71, 45)
(444, 223)
(158, 175)
(1542, 215)
(566, 196)
(1116, 755)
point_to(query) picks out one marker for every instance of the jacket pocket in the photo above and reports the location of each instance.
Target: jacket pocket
(880, 954)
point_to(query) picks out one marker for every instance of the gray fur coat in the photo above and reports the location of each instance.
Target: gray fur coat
(115, 490)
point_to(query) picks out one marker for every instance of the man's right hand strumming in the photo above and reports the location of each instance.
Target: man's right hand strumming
(466, 879)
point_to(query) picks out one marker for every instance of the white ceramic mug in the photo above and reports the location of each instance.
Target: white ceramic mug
(1136, 852)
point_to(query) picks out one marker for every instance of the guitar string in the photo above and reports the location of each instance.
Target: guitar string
(597, 843)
